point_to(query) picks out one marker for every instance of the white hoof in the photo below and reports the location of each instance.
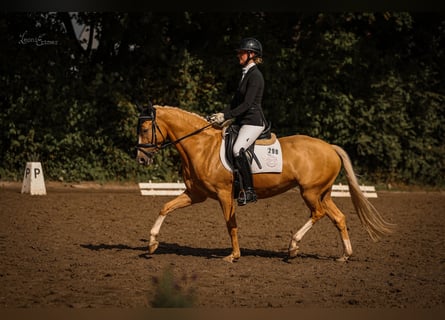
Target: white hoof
(153, 246)
(293, 252)
(343, 258)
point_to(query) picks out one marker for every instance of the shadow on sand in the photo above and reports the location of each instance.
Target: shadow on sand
(208, 253)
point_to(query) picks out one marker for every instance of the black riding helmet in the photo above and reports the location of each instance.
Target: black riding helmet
(251, 44)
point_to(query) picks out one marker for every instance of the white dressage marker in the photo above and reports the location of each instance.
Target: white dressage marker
(33, 181)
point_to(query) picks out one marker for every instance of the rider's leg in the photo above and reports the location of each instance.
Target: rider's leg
(247, 193)
(246, 136)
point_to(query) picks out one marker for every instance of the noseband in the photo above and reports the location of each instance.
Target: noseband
(149, 114)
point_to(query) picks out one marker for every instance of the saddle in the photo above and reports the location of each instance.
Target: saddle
(230, 134)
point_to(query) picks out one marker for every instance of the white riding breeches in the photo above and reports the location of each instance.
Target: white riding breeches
(246, 136)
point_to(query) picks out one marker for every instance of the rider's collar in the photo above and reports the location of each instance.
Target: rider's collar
(246, 68)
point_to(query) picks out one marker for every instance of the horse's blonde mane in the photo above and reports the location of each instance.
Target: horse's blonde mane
(181, 110)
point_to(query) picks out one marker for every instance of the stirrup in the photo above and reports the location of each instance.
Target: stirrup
(246, 197)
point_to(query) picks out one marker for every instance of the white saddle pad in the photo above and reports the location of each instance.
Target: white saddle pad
(269, 156)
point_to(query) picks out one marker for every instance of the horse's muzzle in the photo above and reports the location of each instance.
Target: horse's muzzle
(144, 159)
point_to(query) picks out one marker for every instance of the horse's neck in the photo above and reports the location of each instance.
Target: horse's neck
(196, 150)
(179, 123)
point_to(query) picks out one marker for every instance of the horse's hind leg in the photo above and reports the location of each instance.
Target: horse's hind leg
(183, 200)
(312, 199)
(296, 238)
(339, 219)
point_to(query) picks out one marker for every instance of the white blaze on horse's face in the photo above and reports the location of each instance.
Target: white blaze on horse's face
(145, 137)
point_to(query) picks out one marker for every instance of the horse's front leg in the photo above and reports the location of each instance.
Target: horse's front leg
(227, 205)
(181, 201)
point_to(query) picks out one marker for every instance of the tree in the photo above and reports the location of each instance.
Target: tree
(371, 82)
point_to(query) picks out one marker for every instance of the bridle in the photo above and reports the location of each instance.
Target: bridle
(149, 114)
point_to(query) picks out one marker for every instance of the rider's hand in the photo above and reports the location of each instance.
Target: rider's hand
(217, 118)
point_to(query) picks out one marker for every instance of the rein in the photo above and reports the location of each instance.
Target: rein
(155, 128)
(169, 143)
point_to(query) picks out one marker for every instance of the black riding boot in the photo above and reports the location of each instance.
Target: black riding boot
(247, 193)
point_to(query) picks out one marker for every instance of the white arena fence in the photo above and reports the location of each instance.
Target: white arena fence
(176, 188)
(161, 188)
(340, 190)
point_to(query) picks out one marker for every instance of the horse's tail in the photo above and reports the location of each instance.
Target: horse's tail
(370, 218)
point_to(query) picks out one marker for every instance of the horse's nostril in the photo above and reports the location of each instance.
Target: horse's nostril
(141, 160)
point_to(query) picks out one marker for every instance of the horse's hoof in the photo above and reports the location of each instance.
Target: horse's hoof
(293, 252)
(153, 246)
(231, 258)
(343, 258)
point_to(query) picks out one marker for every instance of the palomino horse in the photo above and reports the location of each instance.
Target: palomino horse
(309, 163)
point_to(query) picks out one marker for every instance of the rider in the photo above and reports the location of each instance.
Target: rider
(246, 108)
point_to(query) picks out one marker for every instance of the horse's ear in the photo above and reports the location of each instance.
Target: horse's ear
(148, 109)
(138, 105)
(145, 109)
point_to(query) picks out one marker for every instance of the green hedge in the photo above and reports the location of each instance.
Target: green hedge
(370, 82)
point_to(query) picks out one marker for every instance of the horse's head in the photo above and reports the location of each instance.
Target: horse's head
(156, 125)
(147, 130)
